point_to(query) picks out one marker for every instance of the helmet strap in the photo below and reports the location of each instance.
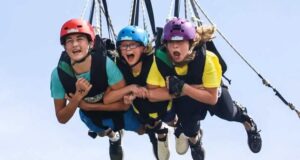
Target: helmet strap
(137, 62)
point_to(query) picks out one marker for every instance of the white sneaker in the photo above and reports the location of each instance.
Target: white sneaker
(163, 150)
(182, 144)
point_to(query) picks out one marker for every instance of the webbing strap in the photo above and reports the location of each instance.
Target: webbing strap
(137, 11)
(133, 13)
(92, 12)
(106, 15)
(177, 8)
(150, 15)
(192, 2)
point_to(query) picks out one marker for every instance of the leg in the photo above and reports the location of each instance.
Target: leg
(161, 149)
(230, 110)
(115, 148)
(153, 141)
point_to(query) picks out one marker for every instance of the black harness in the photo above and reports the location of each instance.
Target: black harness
(193, 76)
(144, 106)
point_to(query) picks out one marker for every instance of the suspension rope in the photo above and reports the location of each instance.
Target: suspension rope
(111, 31)
(131, 12)
(92, 12)
(150, 15)
(170, 10)
(185, 10)
(84, 9)
(193, 9)
(264, 81)
(98, 26)
(144, 17)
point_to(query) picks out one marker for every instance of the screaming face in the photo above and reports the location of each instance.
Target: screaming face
(77, 46)
(178, 50)
(131, 51)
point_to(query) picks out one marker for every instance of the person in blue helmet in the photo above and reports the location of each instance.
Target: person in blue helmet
(135, 60)
(83, 79)
(193, 77)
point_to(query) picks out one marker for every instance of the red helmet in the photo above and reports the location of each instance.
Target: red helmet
(76, 26)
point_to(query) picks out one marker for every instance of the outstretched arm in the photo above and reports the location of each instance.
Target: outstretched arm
(205, 95)
(156, 94)
(117, 92)
(116, 106)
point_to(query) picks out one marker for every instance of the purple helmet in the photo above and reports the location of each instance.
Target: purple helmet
(179, 29)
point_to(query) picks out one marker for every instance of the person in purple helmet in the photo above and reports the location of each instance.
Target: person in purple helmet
(194, 81)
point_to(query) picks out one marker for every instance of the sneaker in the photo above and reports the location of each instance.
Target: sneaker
(182, 144)
(163, 149)
(115, 148)
(254, 138)
(197, 150)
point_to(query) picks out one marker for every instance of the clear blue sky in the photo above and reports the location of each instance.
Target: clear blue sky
(266, 32)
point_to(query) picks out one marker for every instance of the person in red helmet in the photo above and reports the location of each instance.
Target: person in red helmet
(82, 80)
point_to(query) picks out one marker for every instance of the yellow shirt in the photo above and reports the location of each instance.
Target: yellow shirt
(211, 77)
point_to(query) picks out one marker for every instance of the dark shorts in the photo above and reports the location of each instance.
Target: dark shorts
(131, 122)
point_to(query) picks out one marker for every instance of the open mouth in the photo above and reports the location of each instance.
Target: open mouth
(130, 57)
(176, 54)
(76, 51)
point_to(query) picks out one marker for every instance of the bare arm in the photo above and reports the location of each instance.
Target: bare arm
(116, 92)
(156, 94)
(116, 106)
(64, 111)
(205, 95)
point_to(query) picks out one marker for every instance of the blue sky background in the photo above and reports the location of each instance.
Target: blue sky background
(266, 32)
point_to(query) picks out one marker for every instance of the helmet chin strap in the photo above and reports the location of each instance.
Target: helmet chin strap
(84, 58)
(140, 59)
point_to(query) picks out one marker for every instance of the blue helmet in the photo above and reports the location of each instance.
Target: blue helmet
(133, 33)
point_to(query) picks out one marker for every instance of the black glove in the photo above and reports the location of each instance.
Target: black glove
(175, 85)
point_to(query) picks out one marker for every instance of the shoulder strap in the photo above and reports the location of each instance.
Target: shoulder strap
(196, 67)
(66, 73)
(163, 63)
(98, 73)
(211, 47)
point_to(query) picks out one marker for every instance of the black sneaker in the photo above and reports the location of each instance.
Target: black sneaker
(115, 149)
(197, 150)
(153, 141)
(254, 138)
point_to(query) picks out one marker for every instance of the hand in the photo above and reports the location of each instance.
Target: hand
(142, 92)
(128, 99)
(72, 98)
(82, 87)
(174, 85)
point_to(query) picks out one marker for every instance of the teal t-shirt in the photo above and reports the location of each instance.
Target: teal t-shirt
(114, 76)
